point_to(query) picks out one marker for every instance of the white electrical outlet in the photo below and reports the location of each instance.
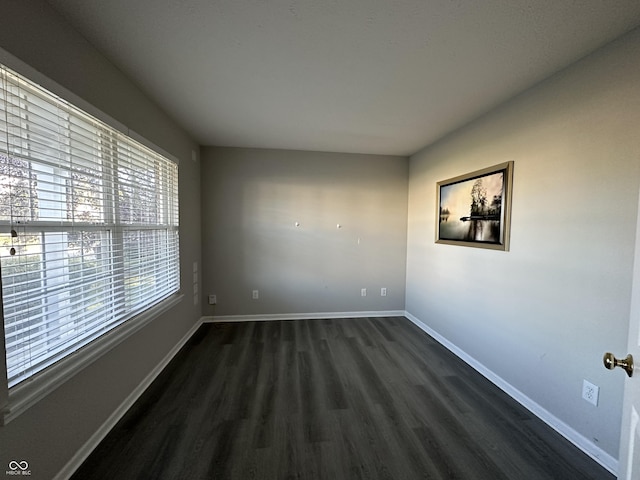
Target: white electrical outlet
(212, 300)
(363, 292)
(383, 292)
(590, 392)
(255, 294)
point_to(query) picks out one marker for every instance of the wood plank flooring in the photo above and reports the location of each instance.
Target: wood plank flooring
(368, 398)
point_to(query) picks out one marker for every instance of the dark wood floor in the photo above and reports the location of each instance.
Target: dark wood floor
(328, 399)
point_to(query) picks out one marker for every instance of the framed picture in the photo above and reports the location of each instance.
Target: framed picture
(474, 210)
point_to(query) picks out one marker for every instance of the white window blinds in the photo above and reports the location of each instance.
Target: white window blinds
(88, 226)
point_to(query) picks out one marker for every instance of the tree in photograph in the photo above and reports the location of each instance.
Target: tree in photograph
(496, 205)
(478, 198)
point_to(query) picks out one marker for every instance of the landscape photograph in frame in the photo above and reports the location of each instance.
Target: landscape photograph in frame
(474, 209)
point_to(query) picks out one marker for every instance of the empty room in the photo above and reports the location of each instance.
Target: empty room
(299, 239)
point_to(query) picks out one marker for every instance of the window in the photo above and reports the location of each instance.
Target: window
(88, 227)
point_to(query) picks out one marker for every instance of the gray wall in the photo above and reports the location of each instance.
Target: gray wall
(542, 315)
(251, 200)
(51, 432)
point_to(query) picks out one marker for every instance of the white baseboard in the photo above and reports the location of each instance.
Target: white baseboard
(81, 455)
(579, 440)
(301, 316)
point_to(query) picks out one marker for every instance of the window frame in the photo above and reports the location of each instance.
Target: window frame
(17, 399)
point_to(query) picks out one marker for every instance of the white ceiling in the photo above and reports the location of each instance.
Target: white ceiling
(362, 76)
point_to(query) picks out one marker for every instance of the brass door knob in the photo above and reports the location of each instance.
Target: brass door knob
(612, 362)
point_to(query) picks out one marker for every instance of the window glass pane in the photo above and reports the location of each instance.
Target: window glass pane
(84, 190)
(18, 196)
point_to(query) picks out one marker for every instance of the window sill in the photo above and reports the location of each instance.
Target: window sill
(28, 393)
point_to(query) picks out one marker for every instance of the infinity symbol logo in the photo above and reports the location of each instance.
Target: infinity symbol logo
(13, 465)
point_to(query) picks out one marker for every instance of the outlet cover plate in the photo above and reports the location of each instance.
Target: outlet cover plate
(590, 392)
